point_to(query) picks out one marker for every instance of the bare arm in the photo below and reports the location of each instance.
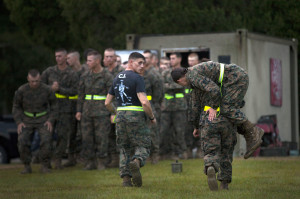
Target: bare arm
(146, 106)
(108, 103)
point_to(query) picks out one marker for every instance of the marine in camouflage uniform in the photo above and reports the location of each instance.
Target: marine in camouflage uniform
(174, 109)
(74, 144)
(154, 89)
(133, 134)
(95, 118)
(218, 138)
(112, 66)
(67, 81)
(34, 107)
(227, 89)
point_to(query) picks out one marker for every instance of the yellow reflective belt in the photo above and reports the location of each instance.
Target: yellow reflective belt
(179, 95)
(73, 97)
(208, 107)
(188, 90)
(167, 96)
(95, 97)
(130, 108)
(149, 97)
(57, 95)
(35, 114)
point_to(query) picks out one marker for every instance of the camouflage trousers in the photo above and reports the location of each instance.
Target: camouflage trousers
(63, 127)
(234, 89)
(155, 132)
(95, 132)
(132, 138)
(112, 146)
(25, 140)
(72, 137)
(173, 139)
(218, 141)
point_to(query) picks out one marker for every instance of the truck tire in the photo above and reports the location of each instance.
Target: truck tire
(3, 156)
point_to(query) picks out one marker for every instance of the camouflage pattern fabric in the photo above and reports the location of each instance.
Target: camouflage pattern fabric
(68, 82)
(205, 76)
(218, 137)
(95, 123)
(34, 101)
(218, 141)
(112, 146)
(174, 139)
(133, 136)
(154, 88)
(173, 115)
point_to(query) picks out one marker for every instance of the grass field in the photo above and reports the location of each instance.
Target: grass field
(254, 179)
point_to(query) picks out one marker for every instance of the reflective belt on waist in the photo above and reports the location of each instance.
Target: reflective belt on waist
(130, 108)
(208, 107)
(57, 95)
(95, 97)
(35, 114)
(149, 97)
(177, 95)
(188, 90)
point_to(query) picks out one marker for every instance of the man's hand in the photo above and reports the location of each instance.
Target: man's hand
(20, 126)
(49, 126)
(78, 116)
(112, 117)
(55, 86)
(153, 121)
(212, 114)
(196, 133)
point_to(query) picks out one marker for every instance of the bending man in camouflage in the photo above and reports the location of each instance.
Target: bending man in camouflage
(133, 134)
(34, 109)
(218, 138)
(226, 85)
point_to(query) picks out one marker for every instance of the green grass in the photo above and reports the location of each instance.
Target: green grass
(254, 179)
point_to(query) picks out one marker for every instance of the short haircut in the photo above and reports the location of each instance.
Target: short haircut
(75, 53)
(178, 55)
(86, 52)
(110, 50)
(61, 50)
(147, 51)
(33, 72)
(96, 54)
(136, 55)
(165, 58)
(193, 55)
(177, 73)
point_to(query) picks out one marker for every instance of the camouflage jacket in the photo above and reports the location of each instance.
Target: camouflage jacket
(68, 82)
(93, 84)
(34, 101)
(174, 94)
(116, 70)
(154, 87)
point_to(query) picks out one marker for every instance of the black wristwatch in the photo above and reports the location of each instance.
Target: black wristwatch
(151, 118)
